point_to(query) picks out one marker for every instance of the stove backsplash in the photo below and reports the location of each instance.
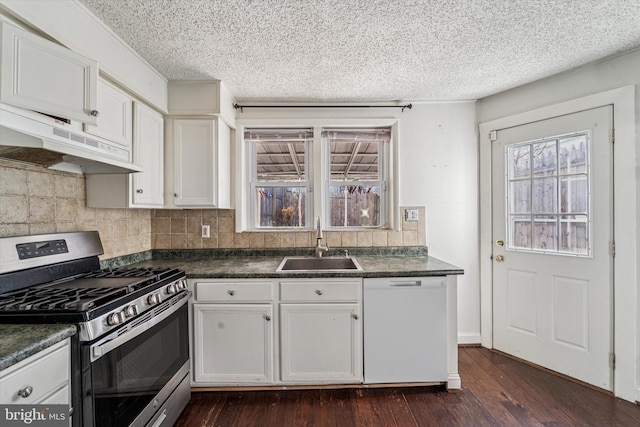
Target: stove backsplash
(34, 200)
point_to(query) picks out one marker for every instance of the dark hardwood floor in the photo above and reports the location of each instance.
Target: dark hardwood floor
(497, 391)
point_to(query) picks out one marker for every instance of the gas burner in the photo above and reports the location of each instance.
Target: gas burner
(64, 299)
(131, 272)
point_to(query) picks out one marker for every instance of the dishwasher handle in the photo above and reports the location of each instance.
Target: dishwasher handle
(406, 284)
(379, 284)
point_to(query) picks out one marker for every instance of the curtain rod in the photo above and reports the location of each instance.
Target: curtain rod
(242, 107)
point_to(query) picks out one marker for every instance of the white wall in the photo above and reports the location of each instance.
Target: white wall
(438, 169)
(598, 81)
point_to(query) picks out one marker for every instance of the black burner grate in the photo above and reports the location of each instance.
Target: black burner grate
(58, 298)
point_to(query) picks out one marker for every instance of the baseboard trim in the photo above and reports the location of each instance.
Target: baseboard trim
(454, 382)
(469, 338)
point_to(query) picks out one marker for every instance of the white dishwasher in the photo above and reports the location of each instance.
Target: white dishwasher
(405, 329)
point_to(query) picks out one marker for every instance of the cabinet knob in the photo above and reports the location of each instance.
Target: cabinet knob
(25, 392)
(175, 194)
(319, 292)
(139, 191)
(267, 317)
(232, 293)
(355, 316)
(94, 113)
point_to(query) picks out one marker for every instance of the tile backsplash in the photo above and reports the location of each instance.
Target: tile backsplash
(35, 200)
(181, 229)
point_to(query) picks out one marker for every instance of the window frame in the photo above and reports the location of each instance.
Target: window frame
(318, 178)
(254, 183)
(382, 181)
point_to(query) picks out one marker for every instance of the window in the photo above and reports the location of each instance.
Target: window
(548, 195)
(356, 187)
(295, 170)
(280, 176)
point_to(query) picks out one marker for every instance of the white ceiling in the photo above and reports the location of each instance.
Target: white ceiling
(370, 50)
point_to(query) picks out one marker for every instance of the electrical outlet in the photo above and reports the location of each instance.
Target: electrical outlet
(411, 215)
(206, 231)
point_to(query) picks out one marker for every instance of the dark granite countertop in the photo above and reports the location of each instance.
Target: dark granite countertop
(263, 264)
(19, 341)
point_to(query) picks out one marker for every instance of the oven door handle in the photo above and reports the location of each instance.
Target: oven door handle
(107, 344)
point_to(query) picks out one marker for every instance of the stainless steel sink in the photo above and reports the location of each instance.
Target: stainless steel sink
(318, 264)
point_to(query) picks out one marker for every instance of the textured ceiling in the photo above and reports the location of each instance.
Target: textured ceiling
(370, 50)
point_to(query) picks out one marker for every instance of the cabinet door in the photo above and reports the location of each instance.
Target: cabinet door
(148, 147)
(321, 343)
(233, 343)
(115, 120)
(194, 165)
(40, 75)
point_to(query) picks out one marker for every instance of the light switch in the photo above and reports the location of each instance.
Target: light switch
(411, 215)
(206, 231)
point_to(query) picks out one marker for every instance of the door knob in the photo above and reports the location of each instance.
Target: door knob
(499, 243)
(499, 258)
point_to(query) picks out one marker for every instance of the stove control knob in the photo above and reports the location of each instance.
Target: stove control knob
(115, 318)
(131, 310)
(182, 284)
(172, 288)
(153, 299)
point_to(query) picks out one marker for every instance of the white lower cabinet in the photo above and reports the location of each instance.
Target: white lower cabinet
(234, 343)
(310, 332)
(233, 330)
(44, 378)
(320, 343)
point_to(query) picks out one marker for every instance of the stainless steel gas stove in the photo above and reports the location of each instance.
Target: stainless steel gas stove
(130, 356)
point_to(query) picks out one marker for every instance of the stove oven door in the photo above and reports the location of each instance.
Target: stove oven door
(131, 376)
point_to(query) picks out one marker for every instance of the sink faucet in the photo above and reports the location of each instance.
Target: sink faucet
(319, 248)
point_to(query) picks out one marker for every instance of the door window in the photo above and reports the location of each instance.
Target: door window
(548, 195)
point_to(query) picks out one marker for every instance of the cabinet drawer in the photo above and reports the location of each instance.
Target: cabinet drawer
(320, 291)
(59, 397)
(44, 372)
(234, 291)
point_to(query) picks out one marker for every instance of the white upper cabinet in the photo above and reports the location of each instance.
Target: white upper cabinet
(198, 145)
(115, 120)
(137, 190)
(40, 75)
(148, 152)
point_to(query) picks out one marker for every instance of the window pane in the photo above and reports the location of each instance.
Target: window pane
(573, 234)
(573, 154)
(545, 195)
(544, 158)
(520, 232)
(355, 153)
(520, 161)
(573, 194)
(354, 206)
(281, 206)
(545, 233)
(280, 153)
(521, 197)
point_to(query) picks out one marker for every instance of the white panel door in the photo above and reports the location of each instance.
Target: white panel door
(552, 230)
(115, 119)
(147, 187)
(43, 76)
(194, 152)
(321, 343)
(233, 343)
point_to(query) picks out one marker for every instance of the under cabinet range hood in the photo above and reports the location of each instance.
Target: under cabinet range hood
(34, 138)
